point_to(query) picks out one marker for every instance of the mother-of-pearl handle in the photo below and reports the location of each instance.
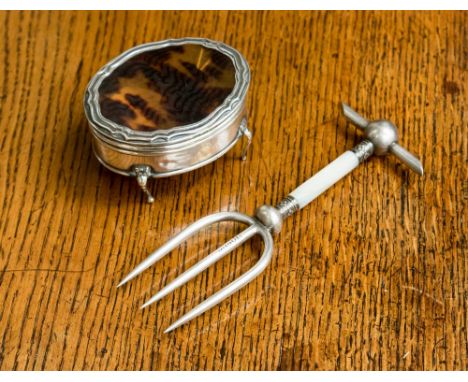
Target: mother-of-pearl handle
(325, 178)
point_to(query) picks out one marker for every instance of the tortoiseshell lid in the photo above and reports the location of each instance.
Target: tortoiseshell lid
(168, 87)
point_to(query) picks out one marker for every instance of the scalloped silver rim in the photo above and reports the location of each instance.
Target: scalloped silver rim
(223, 114)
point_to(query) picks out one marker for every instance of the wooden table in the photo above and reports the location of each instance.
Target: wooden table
(373, 275)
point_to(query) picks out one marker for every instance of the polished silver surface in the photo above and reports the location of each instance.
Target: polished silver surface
(255, 228)
(244, 130)
(184, 235)
(175, 150)
(149, 139)
(383, 135)
(267, 220)
(233, 287)
(354, 117)
(270, 217)
(407, 158)
(209, 260)
(142, 173)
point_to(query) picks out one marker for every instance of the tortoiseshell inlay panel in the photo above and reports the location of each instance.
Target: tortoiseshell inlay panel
(168, 87)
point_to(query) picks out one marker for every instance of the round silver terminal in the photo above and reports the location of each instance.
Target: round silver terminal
(270, 217)
(382, 134)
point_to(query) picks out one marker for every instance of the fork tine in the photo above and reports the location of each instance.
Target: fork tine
(234, 286)
(218, 254)
(182, 236)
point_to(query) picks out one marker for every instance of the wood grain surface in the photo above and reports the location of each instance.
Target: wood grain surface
(372, 275)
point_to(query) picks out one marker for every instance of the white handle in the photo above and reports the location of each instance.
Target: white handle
(325, 178)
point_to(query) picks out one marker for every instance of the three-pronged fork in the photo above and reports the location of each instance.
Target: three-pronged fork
(380, 138)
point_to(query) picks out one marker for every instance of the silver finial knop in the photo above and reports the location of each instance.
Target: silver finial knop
(383, 135)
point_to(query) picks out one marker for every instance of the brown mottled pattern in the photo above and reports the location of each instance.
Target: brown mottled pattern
(167, 87)
(372, 275)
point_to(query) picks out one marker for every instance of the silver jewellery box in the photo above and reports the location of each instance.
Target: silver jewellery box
(168, 107)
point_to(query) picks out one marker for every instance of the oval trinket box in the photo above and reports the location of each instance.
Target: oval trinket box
(168, 107)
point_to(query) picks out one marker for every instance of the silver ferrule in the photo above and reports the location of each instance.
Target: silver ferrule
(363, 150)
(287, 206)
